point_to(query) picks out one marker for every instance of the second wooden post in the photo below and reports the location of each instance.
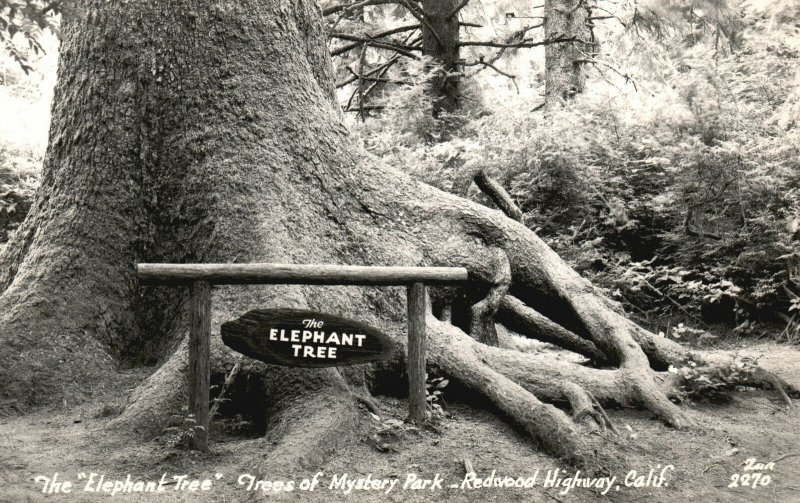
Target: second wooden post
(199, 369)
(417, 405)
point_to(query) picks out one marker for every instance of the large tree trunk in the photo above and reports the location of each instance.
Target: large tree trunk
(565, 74)
(207, 132)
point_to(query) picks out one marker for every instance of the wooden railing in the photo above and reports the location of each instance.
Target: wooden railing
(200, 277)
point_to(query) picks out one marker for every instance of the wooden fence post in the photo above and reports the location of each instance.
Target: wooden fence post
(200, 277)
(417, 406)
(199, 369)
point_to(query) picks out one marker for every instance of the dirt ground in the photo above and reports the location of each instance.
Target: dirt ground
(72, 442)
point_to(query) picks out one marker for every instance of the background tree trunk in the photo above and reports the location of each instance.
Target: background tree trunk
(440, 36)
(564, 73)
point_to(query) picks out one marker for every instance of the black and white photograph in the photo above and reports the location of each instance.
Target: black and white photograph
(400, 251)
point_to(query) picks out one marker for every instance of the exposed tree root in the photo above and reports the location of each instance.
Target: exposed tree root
(544, 282)
(761, 378)
(160, 395)
(460, 357)
(757, 378)
(542, 376)
(584, 405)
(516, 316)
(310, 426)
(310, 412)
(364, 398)
(663, 352)
(482, 324)
(498, 194)
(559, 381)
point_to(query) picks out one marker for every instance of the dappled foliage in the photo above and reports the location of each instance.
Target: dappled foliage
(679, 196)
(23, 25)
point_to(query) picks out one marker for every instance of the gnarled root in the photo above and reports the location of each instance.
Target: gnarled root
(309, 412)
(544, 284)
(310, 426)
(559, 381)
(516, 316)
(460, 357)
(664, 352)
(585, 405)
(482, 325)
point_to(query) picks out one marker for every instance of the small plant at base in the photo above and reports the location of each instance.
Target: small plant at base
(433, 392)
(792, 330)
(700, 380)
(184, 429)
(693, 336)
(238, 424)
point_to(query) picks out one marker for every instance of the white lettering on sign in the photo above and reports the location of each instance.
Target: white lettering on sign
(312, 323)
(314, 352)
(330, 341)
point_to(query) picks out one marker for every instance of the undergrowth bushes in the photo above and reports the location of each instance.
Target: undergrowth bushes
(683, 205)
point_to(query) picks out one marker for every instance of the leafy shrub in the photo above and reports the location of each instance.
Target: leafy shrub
(183, 430)
(675, 200)
(712, 381)
(433, 397)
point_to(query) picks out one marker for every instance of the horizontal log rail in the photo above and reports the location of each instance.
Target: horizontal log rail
(297, 274)
(200, 277)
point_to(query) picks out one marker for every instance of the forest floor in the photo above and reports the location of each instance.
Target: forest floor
(71, 440)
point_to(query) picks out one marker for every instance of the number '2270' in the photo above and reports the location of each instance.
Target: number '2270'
(753, 480)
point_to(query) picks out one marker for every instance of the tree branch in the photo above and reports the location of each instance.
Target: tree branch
(517, 36)
(377, 69)
(378, 79)
(51, 6)
(419, 14)
(457, 9)
(360, 86)
(405, 50)
(525, 44)
(627, 77)
(391, 62)
(490, 65)
(365, 107)
(347, 36)
(364, 94)
(610, 15)
(351, 7)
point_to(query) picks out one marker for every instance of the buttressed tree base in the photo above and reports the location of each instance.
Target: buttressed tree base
(201, 131)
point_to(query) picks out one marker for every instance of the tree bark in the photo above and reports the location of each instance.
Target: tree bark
(499, 196)
(440, 36)
(565, 75)
(415, 300)
(199, 370)
(202, 132)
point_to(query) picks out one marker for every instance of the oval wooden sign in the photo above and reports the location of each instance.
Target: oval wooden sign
(302, 338)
